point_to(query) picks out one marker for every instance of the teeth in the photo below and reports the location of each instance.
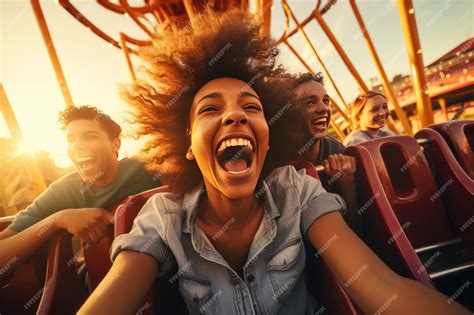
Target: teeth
(239, 172)
(235, 142)
(84, 158)
(320, 120)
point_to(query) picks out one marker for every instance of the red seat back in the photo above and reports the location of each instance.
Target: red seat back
(322, 282)
(406, 179)
(130, 207)
(63, 292)
(160, 299)
(97, 255)
(456, 185)
(382, 230)
(98, 260)
(308, 166)
(21, 286)
(459, 135)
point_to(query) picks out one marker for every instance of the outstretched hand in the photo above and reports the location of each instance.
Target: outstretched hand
(89, 224)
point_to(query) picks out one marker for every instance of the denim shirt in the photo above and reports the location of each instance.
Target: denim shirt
(273, 280)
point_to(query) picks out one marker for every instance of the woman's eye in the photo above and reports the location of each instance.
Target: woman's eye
(207, 109)
(326, 101)
(252, 106)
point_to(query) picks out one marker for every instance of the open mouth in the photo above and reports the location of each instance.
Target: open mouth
(320, 123)
(235, 155)
(380, 120)
(85, 162)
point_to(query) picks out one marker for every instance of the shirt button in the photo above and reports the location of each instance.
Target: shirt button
(250, 278)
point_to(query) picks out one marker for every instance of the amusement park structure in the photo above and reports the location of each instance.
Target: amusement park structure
(412, 99)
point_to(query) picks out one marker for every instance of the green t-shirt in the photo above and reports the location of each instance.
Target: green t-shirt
(71, 192)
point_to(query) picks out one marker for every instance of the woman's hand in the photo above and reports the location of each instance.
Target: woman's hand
(367, 280)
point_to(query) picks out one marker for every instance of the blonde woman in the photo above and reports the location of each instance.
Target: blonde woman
(369, 116)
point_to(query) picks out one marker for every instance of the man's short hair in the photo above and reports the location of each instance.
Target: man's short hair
(308, 76)
(72, 113)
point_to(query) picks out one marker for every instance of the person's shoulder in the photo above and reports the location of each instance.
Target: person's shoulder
(355, 137)
(71, 179)
(166, 202)
(131, 163)
(131, 167)
(288, 183)
(284, 177)
(280, 175)
(386, 132)
(333, 145)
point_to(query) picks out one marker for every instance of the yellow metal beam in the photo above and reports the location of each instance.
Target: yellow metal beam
(410, 30)
(51, 51)
(123, 45)
(289, 12)
(378, 64)
(339, 109)
(188, 5)
(9, 115)
(15, 131)
(338, 130)
(319, 18)
(266, 14)
(442, 105)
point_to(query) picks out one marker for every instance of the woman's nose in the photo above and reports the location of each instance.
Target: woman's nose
(234, 116)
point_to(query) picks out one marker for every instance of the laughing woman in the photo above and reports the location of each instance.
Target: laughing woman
(207, 101)
(369, 115)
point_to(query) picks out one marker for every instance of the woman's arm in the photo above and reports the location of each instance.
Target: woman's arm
(368, 281)
(125, 285)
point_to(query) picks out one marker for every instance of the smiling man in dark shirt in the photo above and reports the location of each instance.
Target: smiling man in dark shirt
(77, 202)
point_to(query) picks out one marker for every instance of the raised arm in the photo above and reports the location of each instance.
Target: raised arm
(367, 280)
(123, 289)
(89, 224)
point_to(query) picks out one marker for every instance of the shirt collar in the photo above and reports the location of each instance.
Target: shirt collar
(191, 201)
(190, 204)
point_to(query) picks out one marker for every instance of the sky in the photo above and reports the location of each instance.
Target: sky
(94, 70)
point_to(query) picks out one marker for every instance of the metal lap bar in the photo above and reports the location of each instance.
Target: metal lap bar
(421, 141)
(442, 244)
(450, 271)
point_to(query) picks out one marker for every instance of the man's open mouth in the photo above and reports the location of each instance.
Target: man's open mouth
(320, 123)
(235, 154)
(85, 162)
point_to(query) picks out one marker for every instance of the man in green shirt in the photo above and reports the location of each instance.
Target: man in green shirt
(78, 201)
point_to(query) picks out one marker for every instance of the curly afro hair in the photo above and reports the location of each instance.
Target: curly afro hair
(177, 64)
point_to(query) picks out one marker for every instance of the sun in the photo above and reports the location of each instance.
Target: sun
(26, 147)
